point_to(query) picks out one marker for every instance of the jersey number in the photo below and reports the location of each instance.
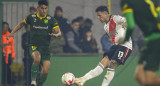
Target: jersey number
(120, 55)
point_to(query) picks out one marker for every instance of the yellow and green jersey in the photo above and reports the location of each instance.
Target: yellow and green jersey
(40, 27)
(146, 14)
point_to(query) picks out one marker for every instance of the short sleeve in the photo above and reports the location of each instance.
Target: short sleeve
(126, 7)
(27, 19)
(158, 9)
(119, 19)
(54, 23)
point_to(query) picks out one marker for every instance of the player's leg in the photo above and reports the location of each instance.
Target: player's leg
(45, 64)
(151, 62)
(44, 72)
(98, 69)
(150, 68)
(35, 66)
(120, 56)
(94, 72)
(110, 72)
(139, 74)
(151, 79)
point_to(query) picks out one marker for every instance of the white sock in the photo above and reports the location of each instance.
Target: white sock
(108, 77)
(94, 73)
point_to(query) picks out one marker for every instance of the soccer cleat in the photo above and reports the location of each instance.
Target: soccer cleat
(79, 81)
(33, 83)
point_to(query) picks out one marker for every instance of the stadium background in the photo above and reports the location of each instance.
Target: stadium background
(13, 11)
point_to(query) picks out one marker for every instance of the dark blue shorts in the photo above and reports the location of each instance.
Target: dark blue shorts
(118, 53)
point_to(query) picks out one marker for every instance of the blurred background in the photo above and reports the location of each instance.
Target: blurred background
(66, 57)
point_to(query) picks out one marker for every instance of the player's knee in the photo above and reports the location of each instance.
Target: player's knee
(149, 81)
(150, 78)
(36, 57)
(113, 64)
(36, 62)
(138, 77)
(105, 62)
(139, 74)
(45, 72)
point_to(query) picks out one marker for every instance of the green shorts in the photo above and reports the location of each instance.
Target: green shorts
(43, 50)
(150, 55)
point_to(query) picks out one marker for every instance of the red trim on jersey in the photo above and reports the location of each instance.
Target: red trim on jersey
(112, 29)
(125, 54)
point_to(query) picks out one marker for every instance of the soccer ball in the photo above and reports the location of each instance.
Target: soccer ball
(68, 78)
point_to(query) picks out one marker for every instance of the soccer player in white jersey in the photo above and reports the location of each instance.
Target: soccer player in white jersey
(118, 53)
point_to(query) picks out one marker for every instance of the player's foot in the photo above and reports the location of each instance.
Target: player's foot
(79, 81)
(33, 83)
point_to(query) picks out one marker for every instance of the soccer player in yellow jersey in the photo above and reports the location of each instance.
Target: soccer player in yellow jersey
(42, 27)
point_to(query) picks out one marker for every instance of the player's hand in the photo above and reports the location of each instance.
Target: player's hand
(54, 35)
(9, 35)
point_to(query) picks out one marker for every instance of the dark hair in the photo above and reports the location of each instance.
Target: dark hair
(59, 8)
(92, 38)
(79, 18)
(43, 2)
(85, 35)
(102, 9)
(32, 8)
(88, 21)
(74, 20)
(3, 23)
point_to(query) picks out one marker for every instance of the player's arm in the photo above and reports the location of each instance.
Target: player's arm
(127, 11)
(55, 29)
(130, 24)
(120, 20)
(56, 32)
(18, 27)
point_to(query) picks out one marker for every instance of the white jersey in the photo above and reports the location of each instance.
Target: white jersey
(115, 30)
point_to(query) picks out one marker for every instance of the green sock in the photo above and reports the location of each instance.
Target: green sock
(41, 80)
(34, 72)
